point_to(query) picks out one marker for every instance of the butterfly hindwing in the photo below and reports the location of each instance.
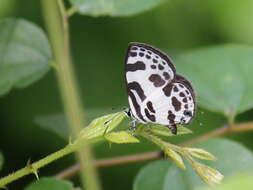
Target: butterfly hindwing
(155, 92)
(175, 105)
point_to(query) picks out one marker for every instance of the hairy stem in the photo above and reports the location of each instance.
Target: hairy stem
(32, 168)
(56, 20)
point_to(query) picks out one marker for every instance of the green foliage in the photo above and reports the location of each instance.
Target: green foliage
(50, 183)
(232, 158)
(238, 181)
(113, 7)
(163, 131)
(1, 160)
(152, 176)
(175, 157)
(221, 76)
(121, 137)
(175, 152)
(57, 123)
(201, 154)
(102, 125)
(24, 54)
(231, 26)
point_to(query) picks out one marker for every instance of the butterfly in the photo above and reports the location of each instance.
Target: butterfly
(156, 93)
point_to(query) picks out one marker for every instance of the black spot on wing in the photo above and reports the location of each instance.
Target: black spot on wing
(188, 113)
(151, 50)
(156, 80)
(136, 106)
(171, 117)
(176, 104)
(148, 56)
(167, 89)
(166, 75)
(132, 54)
(186, 83)
(160, 67)
(181, 94)
(150, 106)
(175, 89)
(153, 66)
(141, 54)
(137, 87)
(149, 116)
(189, 90)
(155, 60)
(139, 65)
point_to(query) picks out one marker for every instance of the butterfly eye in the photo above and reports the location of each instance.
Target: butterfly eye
(188, 113)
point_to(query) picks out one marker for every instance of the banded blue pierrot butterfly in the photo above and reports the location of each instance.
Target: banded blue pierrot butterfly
(156, 93)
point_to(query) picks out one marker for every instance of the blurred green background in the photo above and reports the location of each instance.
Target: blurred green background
(98, 47)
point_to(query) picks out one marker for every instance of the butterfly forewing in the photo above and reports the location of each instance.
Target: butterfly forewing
(155, 92)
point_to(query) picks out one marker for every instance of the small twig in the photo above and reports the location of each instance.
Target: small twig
(215, 133)
(155, 155)
(221, 131)
(111, 162)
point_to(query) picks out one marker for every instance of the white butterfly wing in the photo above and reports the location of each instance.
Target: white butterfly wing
(173, 104)
(155, 92)
(147, 69)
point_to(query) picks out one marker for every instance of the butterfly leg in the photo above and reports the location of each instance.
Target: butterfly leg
(133, 126)
(173, 128)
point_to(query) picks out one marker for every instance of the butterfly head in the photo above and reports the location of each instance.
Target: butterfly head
(128, 112)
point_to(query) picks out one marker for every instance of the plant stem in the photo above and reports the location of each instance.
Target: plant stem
(56, 19)
(32, 168)
(69, 172)
(247, 126)
(111, 162)
(71, 11)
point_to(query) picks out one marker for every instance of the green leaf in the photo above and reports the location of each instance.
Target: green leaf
(238, 181)
(152, 176)
(24, 54)
(1, 160)
(100, 126)
(50, 183)
(221, 76)
(232, 158)
(201, 154)
(113, 7)
(57, 123)
(121, 137)
(164, 131)
(175, 157)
